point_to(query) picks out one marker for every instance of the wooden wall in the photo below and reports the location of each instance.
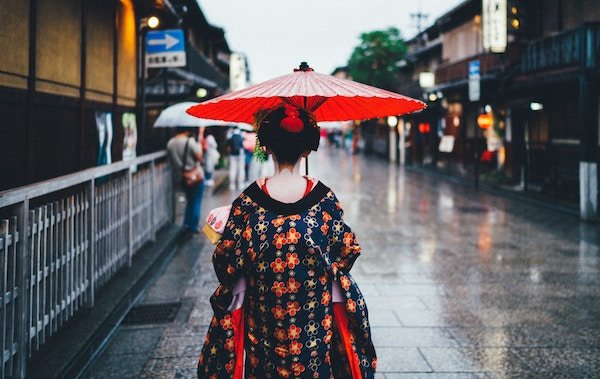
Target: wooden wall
(47, 124)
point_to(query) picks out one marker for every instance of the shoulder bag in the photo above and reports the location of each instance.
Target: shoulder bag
(194, 175)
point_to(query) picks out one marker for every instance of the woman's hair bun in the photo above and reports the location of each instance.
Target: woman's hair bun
(288, 132)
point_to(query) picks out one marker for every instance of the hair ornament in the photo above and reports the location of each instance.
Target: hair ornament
(292, 122)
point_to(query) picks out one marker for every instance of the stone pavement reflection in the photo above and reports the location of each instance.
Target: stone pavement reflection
(459, 283)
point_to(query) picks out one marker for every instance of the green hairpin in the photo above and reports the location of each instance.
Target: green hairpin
(260, 155)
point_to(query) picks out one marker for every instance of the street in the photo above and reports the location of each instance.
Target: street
(459, 283)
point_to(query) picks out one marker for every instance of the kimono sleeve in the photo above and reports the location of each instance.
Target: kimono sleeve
(230, 258)
(344, 244)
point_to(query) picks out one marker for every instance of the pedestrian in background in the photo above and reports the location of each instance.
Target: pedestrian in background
(211, 158)
(237, 160)
(186, 154)
(287, 305)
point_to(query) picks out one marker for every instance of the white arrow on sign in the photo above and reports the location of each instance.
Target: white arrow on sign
(168, 41)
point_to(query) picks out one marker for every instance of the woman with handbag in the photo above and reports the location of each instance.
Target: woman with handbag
(185, 155)
(287, 305)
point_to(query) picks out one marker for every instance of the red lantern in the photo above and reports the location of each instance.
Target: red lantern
(424, 127)
(485, 120)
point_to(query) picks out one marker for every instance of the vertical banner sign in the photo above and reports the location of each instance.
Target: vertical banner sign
(130, 136)
(237, 72)
(165, 48)
(105, 133)
(474, 81)
(494, 25)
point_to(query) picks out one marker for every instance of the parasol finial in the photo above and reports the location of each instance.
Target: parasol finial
(303, 67)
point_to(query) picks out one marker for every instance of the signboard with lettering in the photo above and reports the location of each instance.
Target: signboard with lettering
(446, 144)
(165, 48)
(474, 80)
(494, 25)
(237, 72)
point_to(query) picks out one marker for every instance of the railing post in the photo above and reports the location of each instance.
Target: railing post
(173, 195)
(153, 184)
(129, 216)
(91, 237)
(22, 281)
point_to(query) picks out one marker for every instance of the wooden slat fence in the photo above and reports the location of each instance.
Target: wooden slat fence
(61, 240)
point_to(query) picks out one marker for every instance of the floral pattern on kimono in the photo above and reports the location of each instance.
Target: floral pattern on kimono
(289, 254)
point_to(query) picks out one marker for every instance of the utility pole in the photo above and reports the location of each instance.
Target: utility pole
(417, 19)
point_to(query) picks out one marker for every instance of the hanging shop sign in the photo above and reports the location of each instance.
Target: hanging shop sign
(426, 79)
(493, 142)
(237, 72)
(105, 135)
(494, 25)
(130, 135)
(446, 144)
(424, 127)
(485, 120)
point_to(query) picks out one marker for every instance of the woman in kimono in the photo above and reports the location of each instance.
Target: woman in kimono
(287, 306)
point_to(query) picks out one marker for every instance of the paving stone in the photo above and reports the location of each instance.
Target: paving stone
(383, 318)
(451, 359)
(135, 339)
(117, 366)
(412, 337)
(397, 303)
(394, 359)
(399, 289)
(437, 375)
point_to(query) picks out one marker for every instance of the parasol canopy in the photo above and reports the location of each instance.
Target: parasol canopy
(175, 116)
(329, 98)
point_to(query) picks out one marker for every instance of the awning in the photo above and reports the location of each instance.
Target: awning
(195, 78)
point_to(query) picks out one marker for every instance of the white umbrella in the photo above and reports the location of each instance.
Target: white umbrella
(176, 116)
(330, 124)
(242, 125)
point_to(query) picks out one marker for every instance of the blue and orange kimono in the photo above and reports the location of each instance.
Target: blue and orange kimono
(291, 257)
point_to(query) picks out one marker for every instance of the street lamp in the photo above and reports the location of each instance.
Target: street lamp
(392, 121)
(153, 22)
(145, 23)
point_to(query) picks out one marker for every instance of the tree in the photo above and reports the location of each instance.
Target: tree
(374, 60)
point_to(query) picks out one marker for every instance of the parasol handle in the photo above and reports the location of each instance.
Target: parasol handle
(306, 165)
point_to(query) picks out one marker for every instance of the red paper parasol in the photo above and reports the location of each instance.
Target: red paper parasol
(329, 98)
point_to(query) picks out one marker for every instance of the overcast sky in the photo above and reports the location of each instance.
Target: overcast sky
(276, 35)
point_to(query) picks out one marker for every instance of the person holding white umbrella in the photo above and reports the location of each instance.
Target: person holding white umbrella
(185, 155)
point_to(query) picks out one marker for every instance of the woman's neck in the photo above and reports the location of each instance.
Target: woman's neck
(287, 184)
(286, 170)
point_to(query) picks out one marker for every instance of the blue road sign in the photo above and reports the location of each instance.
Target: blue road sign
(165, 48)
(474, 68)
(474, 80)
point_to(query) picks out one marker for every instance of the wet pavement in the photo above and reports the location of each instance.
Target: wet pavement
(459, 283)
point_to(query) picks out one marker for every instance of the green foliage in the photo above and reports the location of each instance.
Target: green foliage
(374, 60)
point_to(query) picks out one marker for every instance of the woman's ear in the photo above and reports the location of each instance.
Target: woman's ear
(305, 154)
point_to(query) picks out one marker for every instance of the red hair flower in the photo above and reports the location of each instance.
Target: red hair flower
(292, 123)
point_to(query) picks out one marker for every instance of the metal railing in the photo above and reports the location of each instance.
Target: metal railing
(62, 239)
